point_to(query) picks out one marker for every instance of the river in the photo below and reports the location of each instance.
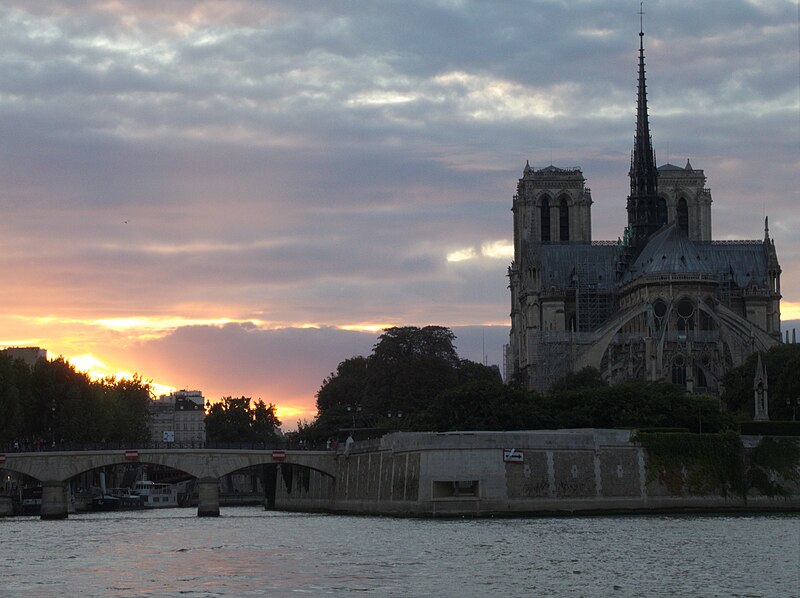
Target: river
(250, 552)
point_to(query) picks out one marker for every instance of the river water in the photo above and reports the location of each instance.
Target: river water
(250, 552)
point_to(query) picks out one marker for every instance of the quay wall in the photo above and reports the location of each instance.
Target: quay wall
(474, 473)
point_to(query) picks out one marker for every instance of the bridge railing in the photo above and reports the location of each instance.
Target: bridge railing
(27, 447)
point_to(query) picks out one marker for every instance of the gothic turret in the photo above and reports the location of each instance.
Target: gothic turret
(643, 213)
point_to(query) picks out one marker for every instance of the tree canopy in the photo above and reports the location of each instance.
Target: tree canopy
(235, 419)
(782, 363)
(53, 402)
(417, 374)
(630, 404)
(408, 368)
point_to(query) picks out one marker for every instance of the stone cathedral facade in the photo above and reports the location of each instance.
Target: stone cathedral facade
(663, 302)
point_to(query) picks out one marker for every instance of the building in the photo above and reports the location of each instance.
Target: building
(30, 355)
(665, 302)
(178, 417)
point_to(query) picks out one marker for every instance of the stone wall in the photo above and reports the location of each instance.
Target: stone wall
(424, 474)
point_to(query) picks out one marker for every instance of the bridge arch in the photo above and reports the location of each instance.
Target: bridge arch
(54, 469)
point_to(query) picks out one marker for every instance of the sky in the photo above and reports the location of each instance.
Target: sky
(235, 196)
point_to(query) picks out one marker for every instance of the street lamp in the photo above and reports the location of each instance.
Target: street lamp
(53, 422)
(398, 415)
(353, 409)
(793, 403)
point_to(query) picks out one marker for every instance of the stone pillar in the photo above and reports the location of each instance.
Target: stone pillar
(54, 500)
(208, 497)
(270, 476)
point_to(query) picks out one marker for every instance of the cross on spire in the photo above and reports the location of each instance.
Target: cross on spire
(641, 19)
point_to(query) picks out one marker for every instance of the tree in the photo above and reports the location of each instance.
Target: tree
(408, 343)
(128, 400)
(234, 420)
(588, 377)
(344, 387)
(482, 405)
(788, 388)
(265, 422)
(472, 371)
(633, 404)
(11, 422)
(52, 401)
(408, 368)
(783, 377)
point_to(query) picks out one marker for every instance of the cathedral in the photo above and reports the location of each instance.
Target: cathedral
(665, 302)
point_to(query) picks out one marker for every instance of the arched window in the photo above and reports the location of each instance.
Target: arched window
(700, 378)
(679, 371)
(545, 220)
(563, 220)
(685, 317)
(683, 215)
(662, 211)
(659, 311)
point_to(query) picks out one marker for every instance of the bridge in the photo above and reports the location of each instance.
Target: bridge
(54, 469)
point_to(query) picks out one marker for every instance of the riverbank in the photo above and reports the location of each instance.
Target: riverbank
(552, 472)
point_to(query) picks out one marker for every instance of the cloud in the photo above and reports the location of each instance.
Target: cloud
(286, 366)
(301, 162)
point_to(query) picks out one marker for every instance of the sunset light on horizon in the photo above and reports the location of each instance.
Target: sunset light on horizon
(234, 197)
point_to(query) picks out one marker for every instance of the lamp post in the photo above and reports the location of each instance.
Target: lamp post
(397, 415)
(53, 423)
(353, 409)
(793, 403)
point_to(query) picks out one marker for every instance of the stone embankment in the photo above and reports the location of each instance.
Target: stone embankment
(529, 472)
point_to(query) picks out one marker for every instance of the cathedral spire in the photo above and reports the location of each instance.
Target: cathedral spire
(643, 218)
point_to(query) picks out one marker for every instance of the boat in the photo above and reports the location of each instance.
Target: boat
(113, 499)
(30, 500)
(128, 499)
(105, 502)
(155, 495)
(117, 498)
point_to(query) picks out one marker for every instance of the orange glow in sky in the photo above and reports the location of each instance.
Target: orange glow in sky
(177, 207)
(790, 310)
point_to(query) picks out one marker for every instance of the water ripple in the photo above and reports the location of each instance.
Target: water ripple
(250, 552)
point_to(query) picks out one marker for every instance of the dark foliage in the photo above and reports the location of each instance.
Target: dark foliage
(415, 372)
(782, 363)
(483, 405)
(633, 404)
(770, 428)
(235, 419)
(52, 402)
(392, 388)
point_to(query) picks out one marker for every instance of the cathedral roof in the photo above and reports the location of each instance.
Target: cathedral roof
(742, 262)
(567, 265)
(670, 251)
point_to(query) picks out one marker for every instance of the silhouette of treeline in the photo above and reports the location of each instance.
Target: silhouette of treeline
(417, 373)
(52, 402)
